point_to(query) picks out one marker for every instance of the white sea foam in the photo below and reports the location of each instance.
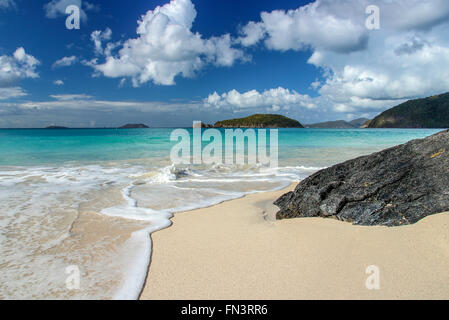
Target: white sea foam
(38, 206)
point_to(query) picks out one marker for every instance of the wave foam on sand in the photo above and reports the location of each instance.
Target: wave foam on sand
(99, 217)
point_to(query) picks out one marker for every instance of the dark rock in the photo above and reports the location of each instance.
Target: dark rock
(394, 187)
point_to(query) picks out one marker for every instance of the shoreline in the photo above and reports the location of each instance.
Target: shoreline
(236, 250)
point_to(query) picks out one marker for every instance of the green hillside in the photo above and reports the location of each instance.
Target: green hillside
(432, 112)
(260, 121)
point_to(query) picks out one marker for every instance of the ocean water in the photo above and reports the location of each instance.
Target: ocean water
(88, 200)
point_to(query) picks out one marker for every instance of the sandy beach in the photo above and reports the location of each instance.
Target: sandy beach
(236, 250)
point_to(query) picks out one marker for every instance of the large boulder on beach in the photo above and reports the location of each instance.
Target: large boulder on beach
(397, 186)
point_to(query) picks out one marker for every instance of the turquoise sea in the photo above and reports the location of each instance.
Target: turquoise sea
(29, 147)
(87, 199)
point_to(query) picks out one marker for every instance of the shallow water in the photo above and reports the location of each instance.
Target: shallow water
(90, 198)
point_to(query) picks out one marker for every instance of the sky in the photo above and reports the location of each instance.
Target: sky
(167, 63)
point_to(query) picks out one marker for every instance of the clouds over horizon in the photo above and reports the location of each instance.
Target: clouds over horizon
(273, 99)
(11, 92)
(82, 101)
(166, 47)
(84, 111)
(362, 69)
(355, 71)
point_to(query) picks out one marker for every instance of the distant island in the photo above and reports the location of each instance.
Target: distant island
(260, 121)
(56, 127)
(339, 124)
(134, 126)
(359, 123)
(432, 112)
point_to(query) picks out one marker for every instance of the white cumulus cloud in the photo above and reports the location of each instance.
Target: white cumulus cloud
(316, 25)
(16, 67)
(166, 47)
(98, 37)
(364, 70)
(272, 98)
(65, 62)
(57, 8)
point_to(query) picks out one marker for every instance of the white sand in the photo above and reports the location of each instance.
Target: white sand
(233, 251)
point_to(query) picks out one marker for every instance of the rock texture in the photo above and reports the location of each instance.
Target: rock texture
(394, 187)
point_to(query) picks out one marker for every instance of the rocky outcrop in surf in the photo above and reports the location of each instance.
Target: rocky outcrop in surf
(394, 187)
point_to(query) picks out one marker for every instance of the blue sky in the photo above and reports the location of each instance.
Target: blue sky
(210, 60)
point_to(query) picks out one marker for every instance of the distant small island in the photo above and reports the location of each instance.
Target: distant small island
(260, 121)
(431, 112)
(134, 126)
(56, 127)
(339, 124)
